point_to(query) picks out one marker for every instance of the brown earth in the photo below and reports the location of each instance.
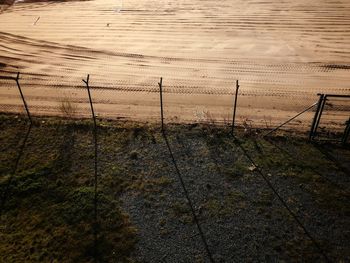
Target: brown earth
(6, 2)
(282, 53)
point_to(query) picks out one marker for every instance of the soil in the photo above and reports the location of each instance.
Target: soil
(283, 54)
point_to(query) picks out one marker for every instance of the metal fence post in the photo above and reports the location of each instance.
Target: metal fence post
(320, 115)
(312, 130)
(234, 107)
(95, 183)
(22, 96)
(161, 102)
(289, 120)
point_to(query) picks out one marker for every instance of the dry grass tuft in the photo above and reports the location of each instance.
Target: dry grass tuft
(67, 107)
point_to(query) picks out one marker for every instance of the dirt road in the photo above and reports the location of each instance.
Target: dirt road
(283, 53)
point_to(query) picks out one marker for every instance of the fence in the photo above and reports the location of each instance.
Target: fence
(324, 111)
(263, 109)
(331, 113)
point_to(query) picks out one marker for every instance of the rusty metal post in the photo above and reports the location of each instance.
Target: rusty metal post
(234, 107)
(22, 96)
(161, 102)
(312, 130)
(320, 114)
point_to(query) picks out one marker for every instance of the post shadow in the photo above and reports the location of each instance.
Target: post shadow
(13, 173)
(95, 224)
(195, 218)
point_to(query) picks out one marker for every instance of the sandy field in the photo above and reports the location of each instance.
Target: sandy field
(282, 52)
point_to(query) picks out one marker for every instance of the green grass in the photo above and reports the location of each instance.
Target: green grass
(49, 213)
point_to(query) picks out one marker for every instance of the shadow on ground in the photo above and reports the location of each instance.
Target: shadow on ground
(144, 216)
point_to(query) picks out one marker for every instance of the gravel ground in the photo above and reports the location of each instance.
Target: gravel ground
(241, 217)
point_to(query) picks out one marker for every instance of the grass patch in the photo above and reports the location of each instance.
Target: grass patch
(49, 211)
(231, 204)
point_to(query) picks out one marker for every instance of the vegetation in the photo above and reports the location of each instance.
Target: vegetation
(49, 209)
(48, 197)
(67, 107)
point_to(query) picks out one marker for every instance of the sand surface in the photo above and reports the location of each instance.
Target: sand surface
(282, 52)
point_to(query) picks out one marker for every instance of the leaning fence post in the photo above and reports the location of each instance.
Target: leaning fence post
(320, 115)
(234, 107)
(289, 120)
(161, 102)
(22, 96)
(95, 183)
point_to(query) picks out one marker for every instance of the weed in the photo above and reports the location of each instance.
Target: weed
(67, 107)
(231, 204)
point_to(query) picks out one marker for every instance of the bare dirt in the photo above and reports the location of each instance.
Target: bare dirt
(283, 53)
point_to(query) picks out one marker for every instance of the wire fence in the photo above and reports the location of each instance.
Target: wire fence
(85, 100)
(334, 116)
(256, 108)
